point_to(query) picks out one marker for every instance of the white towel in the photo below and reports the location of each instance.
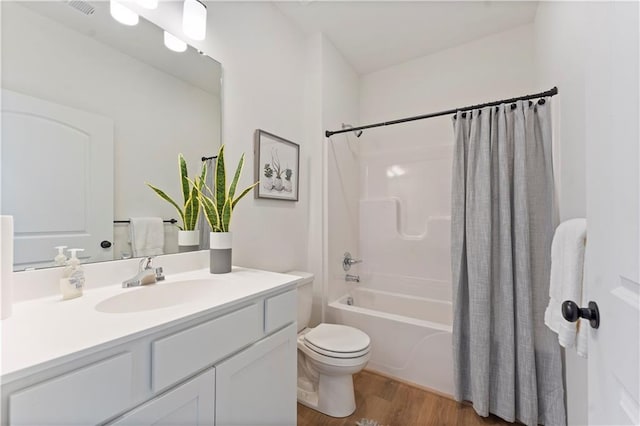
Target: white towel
(567, 271)
(147, 236)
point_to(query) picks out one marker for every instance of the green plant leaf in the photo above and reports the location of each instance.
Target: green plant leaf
(210, 212)
(236, 177)
(220, 181)
(192, 210)
(165, 197)
(226, 215)
(243, 193)
(184, 178)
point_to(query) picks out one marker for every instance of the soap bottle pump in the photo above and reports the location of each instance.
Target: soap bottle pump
(60, 258)
(72, 281)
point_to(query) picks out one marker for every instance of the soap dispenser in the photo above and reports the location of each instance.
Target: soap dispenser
(60, 258)
(72, 281)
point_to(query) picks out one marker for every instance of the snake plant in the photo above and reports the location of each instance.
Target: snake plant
(190, 208)
(218, 204)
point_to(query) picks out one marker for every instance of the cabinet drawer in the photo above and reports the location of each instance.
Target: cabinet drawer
(190, 404)
(178, 356)
(86, 396)
(279, 311)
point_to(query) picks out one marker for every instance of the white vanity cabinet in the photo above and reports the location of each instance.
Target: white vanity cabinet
(254, 386)
(191, 403)
(233, 366)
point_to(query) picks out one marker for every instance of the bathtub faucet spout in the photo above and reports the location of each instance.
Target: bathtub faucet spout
(352, 278)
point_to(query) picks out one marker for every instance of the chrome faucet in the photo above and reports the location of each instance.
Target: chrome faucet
(146, 274)
(347, 261)
(352, 278)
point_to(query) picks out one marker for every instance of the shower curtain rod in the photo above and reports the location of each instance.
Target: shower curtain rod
(551, 92)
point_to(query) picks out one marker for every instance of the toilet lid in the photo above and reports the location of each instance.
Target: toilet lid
(338, 338)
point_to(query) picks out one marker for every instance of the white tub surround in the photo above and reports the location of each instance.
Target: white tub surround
(149, 350)
(420, 329)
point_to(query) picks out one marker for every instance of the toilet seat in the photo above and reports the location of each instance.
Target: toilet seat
(330, 360)
(337, 341)
(333, 354)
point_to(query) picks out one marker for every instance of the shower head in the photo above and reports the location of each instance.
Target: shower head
(358, 133)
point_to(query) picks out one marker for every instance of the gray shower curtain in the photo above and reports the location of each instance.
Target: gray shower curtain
(505, 360)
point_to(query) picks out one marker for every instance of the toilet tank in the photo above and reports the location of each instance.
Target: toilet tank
(305, 298)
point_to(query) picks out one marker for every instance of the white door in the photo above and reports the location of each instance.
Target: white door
(258, 385)
(190, 404)
(612, 158)
(57, 179)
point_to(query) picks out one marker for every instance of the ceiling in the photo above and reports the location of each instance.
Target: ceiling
(376, 35)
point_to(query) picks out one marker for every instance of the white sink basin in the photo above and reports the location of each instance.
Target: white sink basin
(156, 296)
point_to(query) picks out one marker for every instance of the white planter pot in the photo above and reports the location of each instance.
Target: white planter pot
(188, 241)
(277, 184)
(267, 183)
(220, 255)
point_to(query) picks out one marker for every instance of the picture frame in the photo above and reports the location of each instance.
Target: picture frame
(277, 167)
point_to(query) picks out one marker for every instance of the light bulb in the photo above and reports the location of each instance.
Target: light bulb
(194, 19)
(123, 14)
(148, 4)
(174, 43)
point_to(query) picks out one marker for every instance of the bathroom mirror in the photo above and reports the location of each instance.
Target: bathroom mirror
(91, 110)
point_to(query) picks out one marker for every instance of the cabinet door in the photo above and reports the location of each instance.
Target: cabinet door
(191, 403)
(258, 385)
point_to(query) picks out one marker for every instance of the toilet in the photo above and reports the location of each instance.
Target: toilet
(328, 356)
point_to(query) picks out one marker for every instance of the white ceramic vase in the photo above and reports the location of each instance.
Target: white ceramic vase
(267, 183)
(277, 184)
(220, 254)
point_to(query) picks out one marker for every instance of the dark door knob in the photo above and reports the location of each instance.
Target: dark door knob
(105, 244)
(571, 312)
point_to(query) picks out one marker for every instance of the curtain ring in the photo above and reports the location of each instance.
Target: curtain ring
(541, 101)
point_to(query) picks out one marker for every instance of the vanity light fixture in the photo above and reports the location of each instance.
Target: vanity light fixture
(174, 43)
(123, 14)
(194, 19)
(148, 4)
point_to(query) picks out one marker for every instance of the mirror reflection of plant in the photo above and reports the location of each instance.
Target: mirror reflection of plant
(190, 209)
(218, 204)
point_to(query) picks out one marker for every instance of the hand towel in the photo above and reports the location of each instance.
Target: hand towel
(147, 236)
(566, 283)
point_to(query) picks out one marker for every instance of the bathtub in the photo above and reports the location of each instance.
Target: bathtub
(410, 335)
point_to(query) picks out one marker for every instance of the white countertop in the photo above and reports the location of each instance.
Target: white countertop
(48, 331)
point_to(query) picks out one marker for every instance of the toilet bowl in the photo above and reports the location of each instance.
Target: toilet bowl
(328, 356)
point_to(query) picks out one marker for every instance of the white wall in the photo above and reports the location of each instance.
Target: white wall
(406, 169)
(561, 34)
(264, 62)
(340, 89)
(156, 115)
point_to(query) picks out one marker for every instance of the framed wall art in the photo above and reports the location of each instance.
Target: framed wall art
(277, 166)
